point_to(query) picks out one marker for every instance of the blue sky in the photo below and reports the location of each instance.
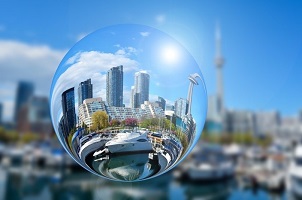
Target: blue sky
(261, 43)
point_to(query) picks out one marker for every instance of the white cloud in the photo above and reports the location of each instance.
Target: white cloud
(22, 61)
(145, 34)
(160, 19)
(127, 51)
(94, 65)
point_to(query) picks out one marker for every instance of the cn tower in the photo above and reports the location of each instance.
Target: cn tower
(193, 81)
(219, 61)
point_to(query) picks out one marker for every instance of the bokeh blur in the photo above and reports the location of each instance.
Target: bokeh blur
(250, 55)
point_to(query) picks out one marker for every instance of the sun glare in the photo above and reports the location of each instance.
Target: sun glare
(170, 54)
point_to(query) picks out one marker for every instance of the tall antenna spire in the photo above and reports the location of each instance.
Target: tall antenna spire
(219, 61)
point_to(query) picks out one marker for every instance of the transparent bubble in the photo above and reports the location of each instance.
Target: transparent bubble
(128, 102)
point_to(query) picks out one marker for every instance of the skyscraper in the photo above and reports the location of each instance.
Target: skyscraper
(25, 91)
(84, 91)
(141, 88)
(114, 86)
(181, 107)
(68, 107)
(35, 116)
(162, 103)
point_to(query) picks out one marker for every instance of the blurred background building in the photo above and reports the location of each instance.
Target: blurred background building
(25, 90)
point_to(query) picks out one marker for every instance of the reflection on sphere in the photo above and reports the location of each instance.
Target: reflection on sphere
(128, 102)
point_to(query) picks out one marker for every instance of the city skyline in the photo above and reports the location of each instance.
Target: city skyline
(90, 105)
(273, 53)
(140, 61)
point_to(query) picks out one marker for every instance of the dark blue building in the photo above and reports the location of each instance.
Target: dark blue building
(162, 103)
(114, 86)
(25, 91)
(68, 107)
(85, 91)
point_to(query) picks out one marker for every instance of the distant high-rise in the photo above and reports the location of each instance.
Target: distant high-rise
(85, 91)
(162, 103)
(114, 86)
(34, 116)
(181, 107)
(141, 88)
(219, 61)
(170, 107)
(25, 91)
(68, 107)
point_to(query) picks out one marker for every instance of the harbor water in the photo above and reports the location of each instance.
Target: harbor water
(76, 183)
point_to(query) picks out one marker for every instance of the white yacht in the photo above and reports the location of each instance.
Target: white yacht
(294, 174)
(209, 163)
(127, 142)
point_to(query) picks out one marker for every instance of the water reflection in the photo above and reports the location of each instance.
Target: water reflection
(78, 184)
(127, 167)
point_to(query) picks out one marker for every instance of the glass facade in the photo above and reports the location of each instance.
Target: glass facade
(68, 107)
(114, 86)
(85, 91)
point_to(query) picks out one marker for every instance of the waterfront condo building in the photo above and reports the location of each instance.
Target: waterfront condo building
(114, 86)
(85, 91)
(181, 107)
(89, 107)
(141, 88)
(68, 108)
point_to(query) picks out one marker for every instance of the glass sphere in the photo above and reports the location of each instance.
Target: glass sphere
(128, 102)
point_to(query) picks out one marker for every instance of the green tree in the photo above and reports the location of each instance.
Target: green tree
(168, 124)
(3, 135)
(29, 137)
(183, 139)
(99, 120)
(146, 123)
